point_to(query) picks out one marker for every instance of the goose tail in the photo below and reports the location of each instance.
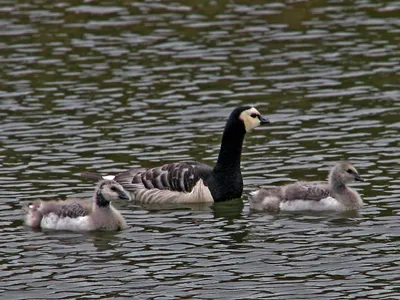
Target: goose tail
(253, 196)
(264, 199)
(33, 216)
(95, 176)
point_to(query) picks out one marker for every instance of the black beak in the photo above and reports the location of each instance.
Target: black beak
(124, 196)
(264, 120)
(358, 178)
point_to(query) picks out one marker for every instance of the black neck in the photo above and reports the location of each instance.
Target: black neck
(101, 201)
(231, 147)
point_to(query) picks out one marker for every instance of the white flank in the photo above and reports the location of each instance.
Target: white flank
(53, 221)
(199, 194)
(109, 177)
(326, 204)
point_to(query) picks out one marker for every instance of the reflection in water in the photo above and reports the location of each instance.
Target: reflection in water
(105, 87)
(227, 215)
(104, 240)
(228, 210)
(173, 206)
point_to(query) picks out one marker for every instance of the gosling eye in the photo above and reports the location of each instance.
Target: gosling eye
(254, 115)
(114, 189)
(350, 171)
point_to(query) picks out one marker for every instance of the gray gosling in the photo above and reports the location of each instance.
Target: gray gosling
(333, 195)
(78, 214)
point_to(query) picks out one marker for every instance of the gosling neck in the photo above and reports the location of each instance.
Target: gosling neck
(337, 184)
(101, 201)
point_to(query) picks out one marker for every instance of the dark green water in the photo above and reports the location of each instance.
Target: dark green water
(102, 87)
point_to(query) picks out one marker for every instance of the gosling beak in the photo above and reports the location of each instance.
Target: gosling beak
(124, 196)
(358, 178)
(264, 120)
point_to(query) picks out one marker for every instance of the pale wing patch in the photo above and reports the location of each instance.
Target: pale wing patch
(249, 122)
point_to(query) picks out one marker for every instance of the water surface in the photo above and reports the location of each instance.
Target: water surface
(102, 87)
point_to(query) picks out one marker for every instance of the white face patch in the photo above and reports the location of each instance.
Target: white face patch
(249, 122)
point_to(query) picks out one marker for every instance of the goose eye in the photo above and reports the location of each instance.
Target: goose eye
(114, 189)
(349, 171)
(254, 115)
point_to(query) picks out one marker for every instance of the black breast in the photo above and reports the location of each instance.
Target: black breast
(225, 186)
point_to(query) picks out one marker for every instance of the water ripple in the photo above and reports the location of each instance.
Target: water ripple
(103, 87)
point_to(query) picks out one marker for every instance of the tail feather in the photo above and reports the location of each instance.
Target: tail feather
(33, 216)
(126, 179)
(26, 207)
(266, 199)
(92, 176)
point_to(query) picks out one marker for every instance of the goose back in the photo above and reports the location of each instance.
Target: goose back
(183, 182)
(313, 191)
(179, 177)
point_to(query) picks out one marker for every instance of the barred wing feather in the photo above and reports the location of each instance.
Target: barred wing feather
(179, 177)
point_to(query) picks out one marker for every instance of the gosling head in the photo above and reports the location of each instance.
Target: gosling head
(250, 117)
(347, 173)
(109, 190)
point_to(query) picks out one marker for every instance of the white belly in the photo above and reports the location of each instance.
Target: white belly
(326, 204)
(53, 221)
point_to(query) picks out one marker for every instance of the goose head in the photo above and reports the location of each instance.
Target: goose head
(250, 117)
(109, 190)
(345, 172)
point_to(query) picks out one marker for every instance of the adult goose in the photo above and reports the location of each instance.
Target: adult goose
(334, 195)
(78, 214)
(191, 181)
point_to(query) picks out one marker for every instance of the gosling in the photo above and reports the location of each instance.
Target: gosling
(333, 195)
(78, 214)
